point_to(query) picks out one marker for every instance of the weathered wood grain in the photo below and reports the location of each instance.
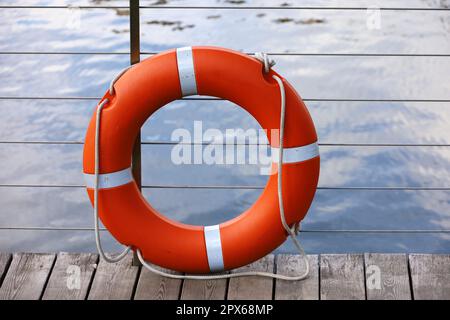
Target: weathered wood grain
(71, 276)
(258, 288)
(204, 289)
(32, 276)
(5, 260)
(387, 276)
(293, 265)
(342, 277)
(430, 276)
(114, 281)
(26, 276)
(155, 287)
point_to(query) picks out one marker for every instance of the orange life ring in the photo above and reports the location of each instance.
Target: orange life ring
(211, 71)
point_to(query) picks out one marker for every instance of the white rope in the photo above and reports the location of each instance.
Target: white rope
(98, 242)
(113, 81)
(292, 232)
(264, 58)
(96, 173)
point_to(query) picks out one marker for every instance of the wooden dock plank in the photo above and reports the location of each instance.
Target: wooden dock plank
(258, 288)
(430, 276)
(342, 277)
(293, 265)
(387, 276)
(114, 281)
(155, 287)
(26, 276)
(71, 276)
(204, 289)
(32, 276)
(5, 260)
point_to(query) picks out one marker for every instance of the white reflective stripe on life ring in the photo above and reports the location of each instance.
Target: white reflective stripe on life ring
(214, 248)
(186, 71)
(297, 154)
(109, 180)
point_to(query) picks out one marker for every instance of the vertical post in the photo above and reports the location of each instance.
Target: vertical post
(135, 45)
(135, 57)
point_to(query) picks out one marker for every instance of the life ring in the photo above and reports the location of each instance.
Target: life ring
(211, 71)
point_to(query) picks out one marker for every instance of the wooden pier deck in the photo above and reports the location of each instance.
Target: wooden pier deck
(333, 276)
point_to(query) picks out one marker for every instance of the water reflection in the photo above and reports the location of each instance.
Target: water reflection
(290, 31)
(174, 25)
(304, 21)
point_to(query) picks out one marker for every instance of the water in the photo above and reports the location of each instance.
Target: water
(314, 77)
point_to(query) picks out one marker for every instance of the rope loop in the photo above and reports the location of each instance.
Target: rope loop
(264, 58)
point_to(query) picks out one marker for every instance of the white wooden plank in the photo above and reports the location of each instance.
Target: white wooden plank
(387, 276)
(342, 277)
(204, 289)
(155, 287)
(71, 276)
(114, 281)
(26, 276)
(253, 287)
(293, 265)
(430, 276)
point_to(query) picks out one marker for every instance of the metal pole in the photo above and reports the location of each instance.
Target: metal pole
(135, 52)
(135, 57)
